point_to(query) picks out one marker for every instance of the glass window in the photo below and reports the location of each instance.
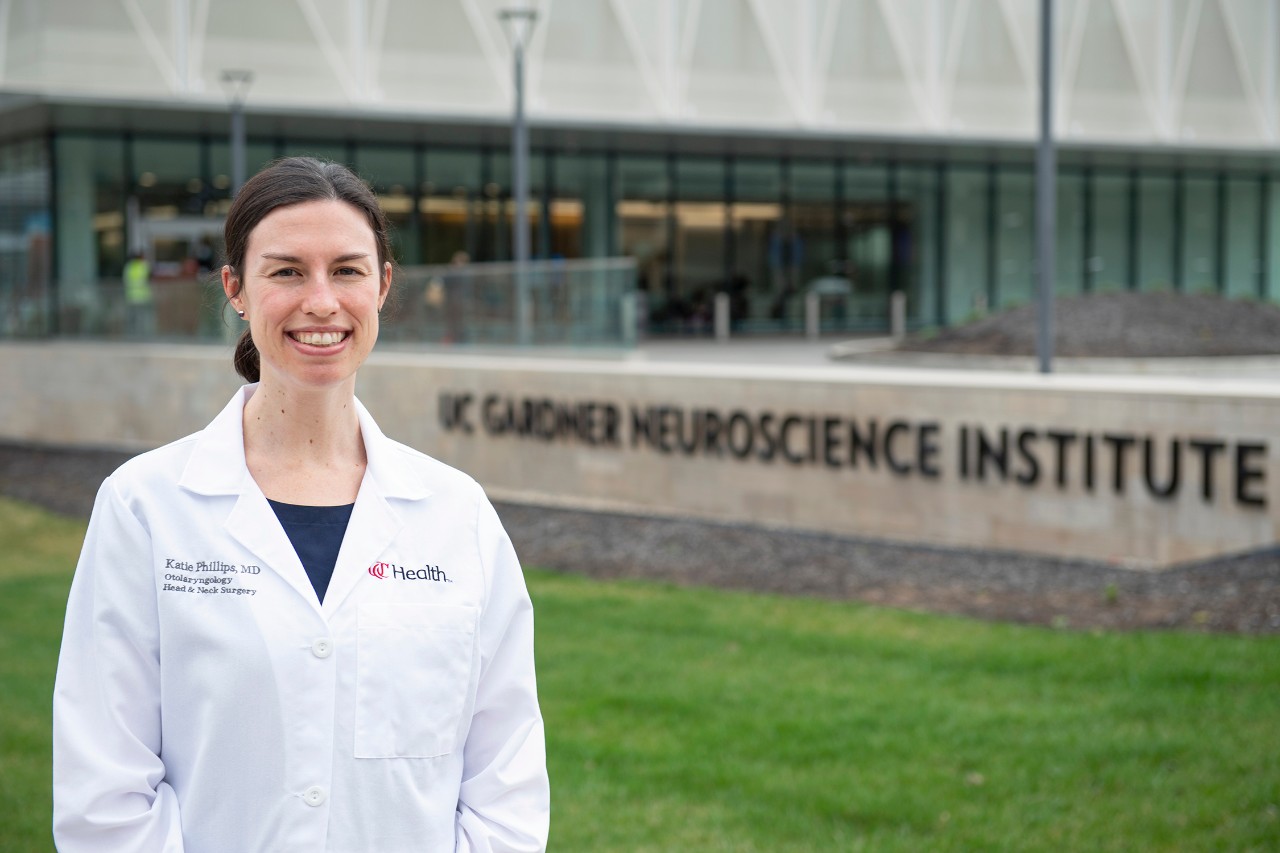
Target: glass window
(867, 223)
(1155, 232)
(25, 238)
(1199, 235)
(1068, 251)
(1108, 263)
(699, 242)
(390, 171)
(449, 204)
(645, 221)
(915, 242)
(966, 244)
(338, 152)
(257, 154)
(167, 205)
(767, 252)
(1243, 212)
(1015, 238)
(579, 207)
(1273, 239)
(813, 210)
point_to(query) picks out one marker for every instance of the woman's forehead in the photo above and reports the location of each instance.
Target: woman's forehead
(326, 225)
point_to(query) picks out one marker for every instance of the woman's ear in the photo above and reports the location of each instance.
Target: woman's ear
(384, 287)
(231, 286)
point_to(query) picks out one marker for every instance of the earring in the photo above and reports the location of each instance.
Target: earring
(241, 313)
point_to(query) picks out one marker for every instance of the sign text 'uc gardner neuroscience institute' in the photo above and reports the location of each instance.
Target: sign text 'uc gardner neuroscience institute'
(1029, 456)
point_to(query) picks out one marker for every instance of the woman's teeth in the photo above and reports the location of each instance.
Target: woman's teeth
(318, 339)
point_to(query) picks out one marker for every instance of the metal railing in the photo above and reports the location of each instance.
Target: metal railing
(587, 303)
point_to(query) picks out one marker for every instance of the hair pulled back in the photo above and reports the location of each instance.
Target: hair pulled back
(293, 180)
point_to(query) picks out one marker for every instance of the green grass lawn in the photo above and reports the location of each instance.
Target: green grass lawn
(701, 720)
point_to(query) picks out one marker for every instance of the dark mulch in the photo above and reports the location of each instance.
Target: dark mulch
(1121, 325)
(1240, 594)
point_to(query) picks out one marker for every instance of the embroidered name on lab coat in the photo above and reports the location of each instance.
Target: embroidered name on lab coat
(207, 577)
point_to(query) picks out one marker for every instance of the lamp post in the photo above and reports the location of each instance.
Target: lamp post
(1046, 195)
(518, 23)
(236, 82)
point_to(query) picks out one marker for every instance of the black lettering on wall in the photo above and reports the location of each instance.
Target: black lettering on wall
(927, 450)
(830, 442)
(861, 444)
(1119, 444)
(641, 426)
(891, 459)
(1247, 473)
(453, 412)
(1207, 450)
(713, 428)
(1167, 489)
(789, 423)
(494, 423)
(769, 443)
(1061, 439)
(997, 454)
(1026, 454)
(1088, 463)
(740, 436)
(1030, 473)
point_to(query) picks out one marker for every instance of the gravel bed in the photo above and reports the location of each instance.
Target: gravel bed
(1127, 325)
(1238, 594)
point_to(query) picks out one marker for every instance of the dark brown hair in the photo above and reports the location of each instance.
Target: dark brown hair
(293, 180)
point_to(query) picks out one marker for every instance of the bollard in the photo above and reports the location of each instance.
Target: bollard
(722, 317)
(812, 315)
(628, 318)
(898, 315)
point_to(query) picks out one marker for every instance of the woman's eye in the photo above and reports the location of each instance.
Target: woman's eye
(349, 271)
(284, 273)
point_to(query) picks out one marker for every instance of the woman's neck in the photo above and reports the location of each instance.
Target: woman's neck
(305, 446)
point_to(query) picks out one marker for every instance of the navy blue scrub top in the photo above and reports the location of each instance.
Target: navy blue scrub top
(316, 533)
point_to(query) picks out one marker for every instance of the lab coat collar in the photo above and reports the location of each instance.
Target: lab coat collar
(217, 467)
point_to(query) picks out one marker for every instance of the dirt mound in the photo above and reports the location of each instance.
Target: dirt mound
(1121, 325)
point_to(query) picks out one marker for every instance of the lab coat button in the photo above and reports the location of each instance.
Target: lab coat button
(322, 648)
(314, 796)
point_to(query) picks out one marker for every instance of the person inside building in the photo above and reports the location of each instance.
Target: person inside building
(138, 305)
(288, 631)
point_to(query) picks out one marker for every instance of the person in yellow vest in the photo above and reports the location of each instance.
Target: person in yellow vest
(139, 308)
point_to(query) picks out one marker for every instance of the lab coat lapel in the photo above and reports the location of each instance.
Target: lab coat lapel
(254, 525)
(375, 521)
(217, 467)
(373, 527)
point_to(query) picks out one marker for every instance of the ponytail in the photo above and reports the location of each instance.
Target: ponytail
(246, 358)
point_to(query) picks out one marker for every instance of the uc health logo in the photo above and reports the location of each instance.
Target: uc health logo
(382, 571)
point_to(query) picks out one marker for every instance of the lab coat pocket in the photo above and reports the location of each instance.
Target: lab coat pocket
(413, 674)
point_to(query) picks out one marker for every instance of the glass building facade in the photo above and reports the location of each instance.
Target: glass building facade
(956, 237)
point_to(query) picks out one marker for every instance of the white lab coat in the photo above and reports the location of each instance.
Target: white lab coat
(207, 703)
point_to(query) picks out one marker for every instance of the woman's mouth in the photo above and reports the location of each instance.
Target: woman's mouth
(319, 339)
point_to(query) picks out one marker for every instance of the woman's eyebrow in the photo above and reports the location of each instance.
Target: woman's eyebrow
(292, 259)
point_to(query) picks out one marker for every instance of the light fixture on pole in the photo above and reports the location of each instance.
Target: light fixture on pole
(236, 82)
(518, 23)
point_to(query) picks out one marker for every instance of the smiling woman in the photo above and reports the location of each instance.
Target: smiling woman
(311, 285)
(281, 198)
(226, 603)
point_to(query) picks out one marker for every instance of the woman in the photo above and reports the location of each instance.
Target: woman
(288, 632)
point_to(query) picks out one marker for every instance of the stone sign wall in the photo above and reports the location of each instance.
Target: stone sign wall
(1146, 471)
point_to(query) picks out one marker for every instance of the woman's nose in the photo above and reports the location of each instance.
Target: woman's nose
(321, 296)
